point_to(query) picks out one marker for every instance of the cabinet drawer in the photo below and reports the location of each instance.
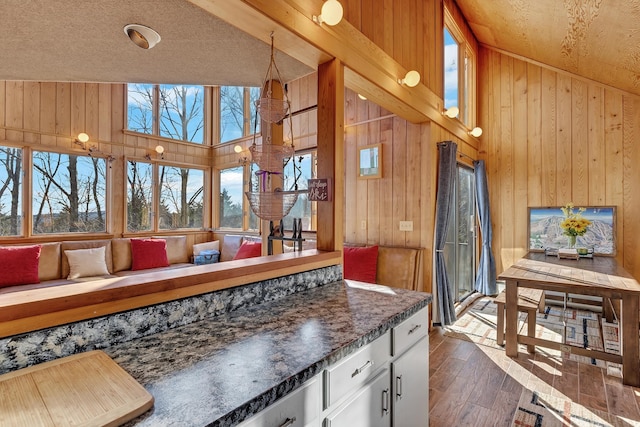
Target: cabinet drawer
(298, 409)
(369, 406)
(353, 371)
(410, 331)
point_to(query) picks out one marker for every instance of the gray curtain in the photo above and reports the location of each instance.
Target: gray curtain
(446, 182)
(486, 277)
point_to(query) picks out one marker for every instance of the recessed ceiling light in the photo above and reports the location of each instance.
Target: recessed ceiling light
(142, 36)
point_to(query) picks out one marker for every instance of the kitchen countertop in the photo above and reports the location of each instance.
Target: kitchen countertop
(221, 371)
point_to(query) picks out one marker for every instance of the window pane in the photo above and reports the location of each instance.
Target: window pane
(139, 196)
(254, 95)
(181, 197)
(68, 193)
(10, 191)
(231, 112)
(450, 71)
(140, 107)
(182, 112)
(303, 207)
(231, 197)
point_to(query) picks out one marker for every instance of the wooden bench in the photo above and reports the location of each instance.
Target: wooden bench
(529, 301)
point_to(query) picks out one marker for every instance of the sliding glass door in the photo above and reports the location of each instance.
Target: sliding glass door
(460, 249)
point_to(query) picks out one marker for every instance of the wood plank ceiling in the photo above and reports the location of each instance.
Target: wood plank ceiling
(596, 39)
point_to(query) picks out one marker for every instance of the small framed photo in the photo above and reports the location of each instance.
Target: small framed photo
(370, 161)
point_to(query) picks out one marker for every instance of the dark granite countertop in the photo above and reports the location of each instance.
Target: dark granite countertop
(220, 371)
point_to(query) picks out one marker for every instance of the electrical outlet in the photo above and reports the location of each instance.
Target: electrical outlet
(406, 225)
(363, 224)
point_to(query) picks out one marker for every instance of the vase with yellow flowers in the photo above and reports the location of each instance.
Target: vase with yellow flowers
(574, 224)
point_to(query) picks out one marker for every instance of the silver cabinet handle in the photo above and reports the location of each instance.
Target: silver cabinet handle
(415, 328)
(362, 368)
(385, 401)
(399, 386)
(288, 422)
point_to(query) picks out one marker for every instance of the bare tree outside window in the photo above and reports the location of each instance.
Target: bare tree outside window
(10, 191)
(182, 112)
(231, 197)
(68, 193)
(140, 108)
(181, 198)
(139, 196)
(232, 113)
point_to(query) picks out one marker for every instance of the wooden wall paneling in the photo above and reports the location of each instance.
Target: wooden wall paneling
(399, 176)
(534, 136)
(520, 152)
(32, 111)
(579, 143)
(3, 100)
(507, 168)
(596, 148)
(631, 197)
(563, 140)
(548, 102)
(92, 110)
(78, 99)
(387, 24)
(388, 140)
(352, 9)
(15, 110)
(374, 196)
(427, 178)
(494, 137)
(368, 13)
(104, 112)
(63, 114)
(413, 187)
(48, 92)
(614, 159)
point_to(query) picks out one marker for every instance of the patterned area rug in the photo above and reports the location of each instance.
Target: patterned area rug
(581, 328)
(541, 410)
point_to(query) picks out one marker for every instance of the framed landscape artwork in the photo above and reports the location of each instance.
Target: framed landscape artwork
(545, 231)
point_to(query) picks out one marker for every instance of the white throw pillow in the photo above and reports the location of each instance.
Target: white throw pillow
(207, 246)
(87, 263)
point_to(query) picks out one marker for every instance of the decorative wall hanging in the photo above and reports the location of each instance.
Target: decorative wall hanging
(267, 197)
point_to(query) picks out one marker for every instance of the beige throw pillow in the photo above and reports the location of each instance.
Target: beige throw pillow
(207, 246)
(87, 263)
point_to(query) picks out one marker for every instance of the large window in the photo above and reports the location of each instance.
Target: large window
(170, 111)
(10, 191)
(181, 197)
(231, 197)
(68, 193)
(459, 73)
(139, 196)
(238, 112)
(305, 168)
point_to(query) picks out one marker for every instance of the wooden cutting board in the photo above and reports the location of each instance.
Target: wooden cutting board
(86, 389)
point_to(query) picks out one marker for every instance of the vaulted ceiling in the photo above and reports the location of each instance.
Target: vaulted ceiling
(72, 40)
(596, 39)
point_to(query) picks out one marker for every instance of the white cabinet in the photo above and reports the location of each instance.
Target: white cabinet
(410, 372)
(298, 409)
(410, 386)
(369, 406)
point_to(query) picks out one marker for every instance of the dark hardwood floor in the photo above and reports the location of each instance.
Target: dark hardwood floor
(476, 385)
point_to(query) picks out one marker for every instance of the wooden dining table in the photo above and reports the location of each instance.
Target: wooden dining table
(598, 276)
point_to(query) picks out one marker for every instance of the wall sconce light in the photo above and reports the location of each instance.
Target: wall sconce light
(142, 36)
(451, 112)
(411, 79)
(476, 132)
(243, 159)
(160, 151)
(364, 98)
(330, 14)
(82, 140)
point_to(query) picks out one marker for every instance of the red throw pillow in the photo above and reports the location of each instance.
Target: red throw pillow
(249, 250)
(19, 265)
(148, 253)
(360, 263)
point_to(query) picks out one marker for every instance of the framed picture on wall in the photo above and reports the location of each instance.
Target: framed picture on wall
(370, 161)
(545, 231)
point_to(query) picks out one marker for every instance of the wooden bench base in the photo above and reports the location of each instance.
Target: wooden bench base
(529, 301)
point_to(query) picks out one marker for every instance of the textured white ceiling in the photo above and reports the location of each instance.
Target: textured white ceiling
(83, 40)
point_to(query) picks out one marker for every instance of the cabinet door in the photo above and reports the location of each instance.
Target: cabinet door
(410, 386)
(370, 406)
(298, 409)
